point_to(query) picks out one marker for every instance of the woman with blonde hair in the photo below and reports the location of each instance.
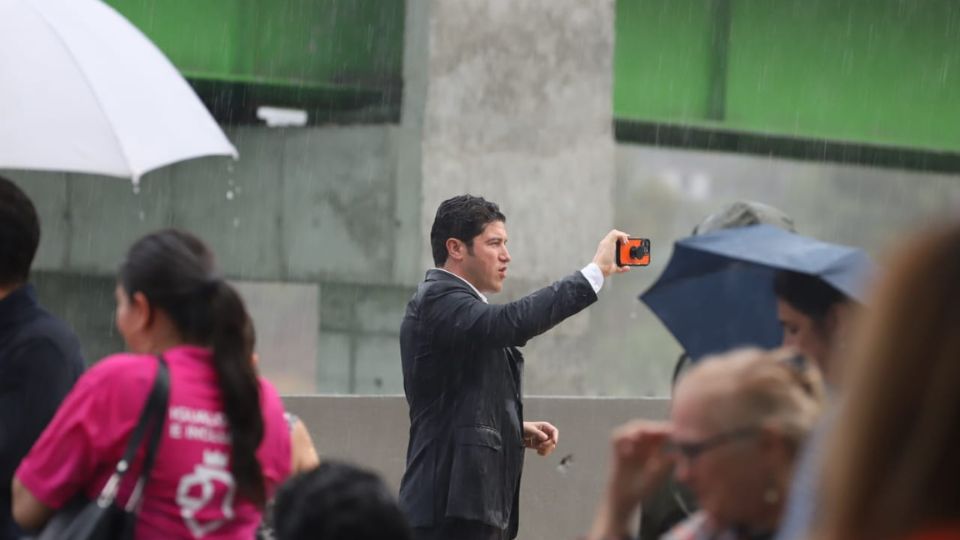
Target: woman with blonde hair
(894, 470)
(736, 426)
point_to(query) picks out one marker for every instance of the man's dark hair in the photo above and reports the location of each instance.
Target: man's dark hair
(807, 294)
(462, 217)
(19, 234)
(337, 501)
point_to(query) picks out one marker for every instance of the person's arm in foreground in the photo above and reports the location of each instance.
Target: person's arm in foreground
(640, 464)
(304, 453)
(28, 511)
(28, 402)
(64, 459)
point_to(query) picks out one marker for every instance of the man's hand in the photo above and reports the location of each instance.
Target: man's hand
(540, 436)
(606, 257)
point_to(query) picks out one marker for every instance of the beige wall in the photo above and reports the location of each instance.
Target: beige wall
(557, 502)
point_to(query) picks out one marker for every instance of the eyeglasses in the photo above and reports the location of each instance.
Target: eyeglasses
(692, 450)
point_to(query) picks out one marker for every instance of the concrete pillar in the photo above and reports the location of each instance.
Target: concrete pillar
(519, 109)
(410, 242)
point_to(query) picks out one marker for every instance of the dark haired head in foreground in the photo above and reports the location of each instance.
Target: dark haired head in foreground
(19, 234)
(337, 501)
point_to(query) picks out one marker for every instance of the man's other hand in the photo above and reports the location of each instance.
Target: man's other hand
(606, 257)
(540, 436)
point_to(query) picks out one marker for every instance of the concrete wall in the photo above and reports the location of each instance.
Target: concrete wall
(299, 205)
(327, 337)
(663, 193)
(307, 222)
(556, 500)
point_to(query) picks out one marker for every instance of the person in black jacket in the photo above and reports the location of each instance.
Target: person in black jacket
(462, 374)
(39, 354)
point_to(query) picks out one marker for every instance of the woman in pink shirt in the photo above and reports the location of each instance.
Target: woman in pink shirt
(225, 445)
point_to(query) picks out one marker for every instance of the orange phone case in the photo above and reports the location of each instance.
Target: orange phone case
(640, 246)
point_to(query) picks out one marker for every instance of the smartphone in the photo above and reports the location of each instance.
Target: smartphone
(633, 252)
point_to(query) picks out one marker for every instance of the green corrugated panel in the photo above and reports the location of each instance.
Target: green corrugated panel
(297, 43)
(875, 71)
(661, 60)
(878, 71)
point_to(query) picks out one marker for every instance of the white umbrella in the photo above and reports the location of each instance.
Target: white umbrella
(83, 90)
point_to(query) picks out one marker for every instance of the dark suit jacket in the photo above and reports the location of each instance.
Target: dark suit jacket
(462, 378)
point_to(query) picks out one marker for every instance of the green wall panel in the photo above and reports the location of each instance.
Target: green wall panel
(880, 71)
(873, 71)
(661, 59)
(299, 43)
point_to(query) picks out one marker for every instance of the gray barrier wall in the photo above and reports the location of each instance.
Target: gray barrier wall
(559, 493)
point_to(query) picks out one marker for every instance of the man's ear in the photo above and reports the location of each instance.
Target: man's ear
(455, 249)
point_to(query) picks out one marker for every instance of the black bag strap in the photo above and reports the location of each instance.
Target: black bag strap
(153, 415)
(159, 417)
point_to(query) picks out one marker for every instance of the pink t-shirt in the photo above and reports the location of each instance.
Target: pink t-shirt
(190, 492)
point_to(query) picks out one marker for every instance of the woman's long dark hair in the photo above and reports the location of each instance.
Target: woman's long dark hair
(175, 271)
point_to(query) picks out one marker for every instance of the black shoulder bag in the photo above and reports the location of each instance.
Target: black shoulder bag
(102, 519)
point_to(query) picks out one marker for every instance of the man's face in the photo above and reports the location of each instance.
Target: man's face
(485, 262)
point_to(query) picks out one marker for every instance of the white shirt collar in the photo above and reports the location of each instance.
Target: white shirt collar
(480, 294)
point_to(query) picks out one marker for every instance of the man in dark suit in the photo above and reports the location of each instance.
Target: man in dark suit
(39, 354)
(462, 375)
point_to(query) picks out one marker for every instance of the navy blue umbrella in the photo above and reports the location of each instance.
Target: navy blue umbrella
(717, 290)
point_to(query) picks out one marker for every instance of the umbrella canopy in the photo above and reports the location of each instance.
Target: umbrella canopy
(83, 90)
(716, 292)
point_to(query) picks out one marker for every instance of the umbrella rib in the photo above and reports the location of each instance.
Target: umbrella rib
(96, 97)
